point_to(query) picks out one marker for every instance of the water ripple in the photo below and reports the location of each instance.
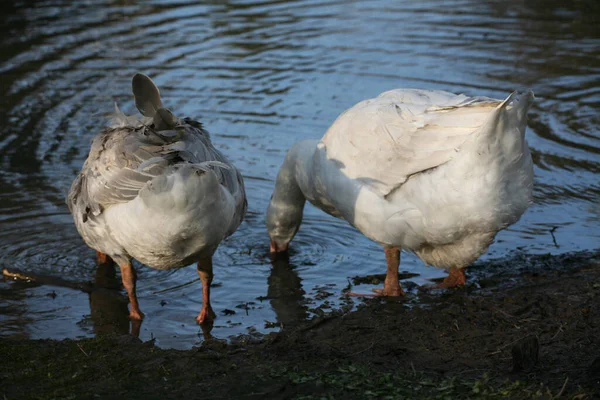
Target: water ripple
(261, 75)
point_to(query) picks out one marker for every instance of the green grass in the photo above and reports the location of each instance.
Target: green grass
(362, 382)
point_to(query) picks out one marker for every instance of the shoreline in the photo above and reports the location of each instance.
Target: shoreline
(523, 327)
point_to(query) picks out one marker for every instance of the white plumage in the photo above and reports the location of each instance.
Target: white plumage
(428, 171)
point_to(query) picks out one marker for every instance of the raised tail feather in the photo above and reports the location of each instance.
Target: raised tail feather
(524, 103)
(509, 115)
(508, 124)
(516, 107)
(147, 101)
(146, 95)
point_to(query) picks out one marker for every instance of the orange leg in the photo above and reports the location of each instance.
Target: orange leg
(205, 271)
(129, 276)
(391, 285)
(456, 277)
(103, 258)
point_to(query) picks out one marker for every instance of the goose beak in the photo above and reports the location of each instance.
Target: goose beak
(275, 248)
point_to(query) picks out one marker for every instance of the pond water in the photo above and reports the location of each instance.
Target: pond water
(261, 76)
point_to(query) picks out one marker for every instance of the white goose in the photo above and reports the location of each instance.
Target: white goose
(155, 189)
(432, 172)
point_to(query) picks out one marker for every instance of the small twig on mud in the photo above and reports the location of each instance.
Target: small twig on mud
(82, 350)
(17, 275)
(368, 348)
(413, 368)
(41, 279)
(503, 312)
(561, 390)
(506, 345)
(554, 238)
(560, 329)
(528, 319)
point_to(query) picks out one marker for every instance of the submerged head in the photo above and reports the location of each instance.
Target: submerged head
(284, 214)
(283, 221)
(276, 248)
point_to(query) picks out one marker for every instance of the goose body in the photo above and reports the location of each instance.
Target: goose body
(431, 172)
(156, 189)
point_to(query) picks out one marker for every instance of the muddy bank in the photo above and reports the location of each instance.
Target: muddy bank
(525, 327)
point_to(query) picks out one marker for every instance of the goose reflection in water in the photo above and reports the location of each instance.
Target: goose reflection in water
(110, 315)
(108, 306)
(285, 292)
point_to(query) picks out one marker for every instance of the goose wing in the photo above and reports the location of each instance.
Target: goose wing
(131, 152)
(385, 140)
(122, 161)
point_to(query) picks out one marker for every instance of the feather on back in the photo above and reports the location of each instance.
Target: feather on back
(385, 140)
(129, 153)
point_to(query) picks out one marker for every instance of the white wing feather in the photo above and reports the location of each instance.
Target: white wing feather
(383, 141)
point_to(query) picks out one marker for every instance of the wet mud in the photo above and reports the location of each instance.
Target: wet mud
(523, 327)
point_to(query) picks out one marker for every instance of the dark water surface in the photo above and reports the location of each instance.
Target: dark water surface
(260, 76)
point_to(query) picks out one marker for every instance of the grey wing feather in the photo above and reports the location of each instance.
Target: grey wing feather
(123, 160)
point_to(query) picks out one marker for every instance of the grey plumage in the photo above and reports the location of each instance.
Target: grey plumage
(112, 173)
